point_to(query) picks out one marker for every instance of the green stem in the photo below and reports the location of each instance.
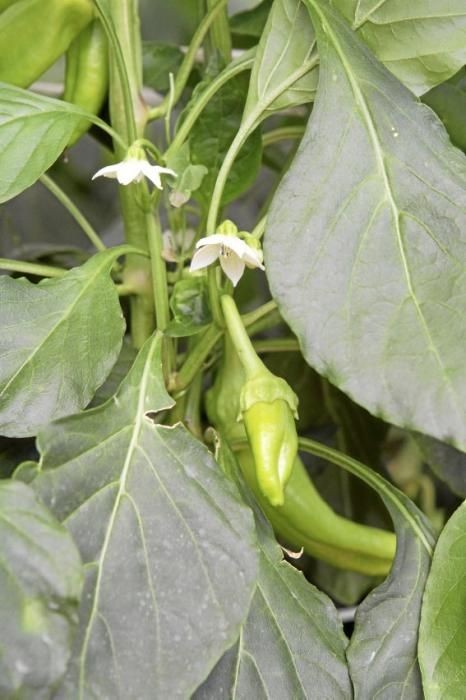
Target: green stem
(259, 228)
(245, 63)
(63, 198)
(125, 83)
(188, 62)
(219, 36)
(283, 133)
(240, 338)
(158, 268)
(276, 345)
(31, 268)
(371, 478)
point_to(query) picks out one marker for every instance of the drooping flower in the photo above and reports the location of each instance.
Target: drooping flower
(233, 253)
(134, 168)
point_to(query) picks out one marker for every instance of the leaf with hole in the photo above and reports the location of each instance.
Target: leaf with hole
(41, 580)
(365, 250)
(60, 339)
(146, 504)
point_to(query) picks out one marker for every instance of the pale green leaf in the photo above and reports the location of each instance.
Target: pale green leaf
(168, 546)
(423, 42)
(292, 644)
(34, 130)
(40, 582)
(284, 73)
(442, 635)
(365, 242)
(59, 341)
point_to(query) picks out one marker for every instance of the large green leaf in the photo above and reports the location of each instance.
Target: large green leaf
(40, 582)
(59, 341)
(423, 42)
(169, 548)
(365, 242)
(442, 635)
(292, 644)
(34, 130)
(283, 74)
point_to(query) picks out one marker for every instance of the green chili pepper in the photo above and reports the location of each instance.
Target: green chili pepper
(34, 33)
(306, 520)
(87, 74)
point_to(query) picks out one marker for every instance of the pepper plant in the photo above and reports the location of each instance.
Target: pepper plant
(241, 422)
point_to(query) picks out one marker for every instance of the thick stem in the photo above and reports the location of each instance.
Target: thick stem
(219, 38)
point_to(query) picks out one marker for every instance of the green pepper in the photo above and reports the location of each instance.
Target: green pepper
(87, 74)
(306, 520)
(34, 33)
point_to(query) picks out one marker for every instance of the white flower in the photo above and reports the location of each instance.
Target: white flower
(233, 253)
(133, 170)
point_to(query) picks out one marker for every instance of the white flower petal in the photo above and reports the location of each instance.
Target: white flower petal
(236, 245)
(252, 258)
(108, 171)
(233, 267)
(152, 172)
(129, 171)
(215, 239)
(205, 256)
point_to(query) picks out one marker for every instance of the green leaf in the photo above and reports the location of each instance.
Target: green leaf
(189, 178)
(382, 654)
(119, 371)
(169, 549)
(190, 306)
(442, 635)
(292, 644)
(370, 274)
(34, 130)
(212, 135)
(159, 60)
(284, 73)
(448, 100)
(60, 339)
(420, 41)
(40, 581)
(448, 463)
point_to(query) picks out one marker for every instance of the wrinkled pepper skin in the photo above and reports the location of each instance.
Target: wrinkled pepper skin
(306, 520)
(87, 73)
(271, 431)
(34, 33)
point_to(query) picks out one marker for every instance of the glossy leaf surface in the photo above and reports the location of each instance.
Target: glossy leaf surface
(41, 580)
(365, 249)
(169, 549)
(59, 341)
(442, 635)
(34, 130)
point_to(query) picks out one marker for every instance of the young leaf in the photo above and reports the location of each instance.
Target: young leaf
(292, 644)
(169, 549)
(34, 130)
(442, 635)
(159, 60)
(421, 42)
(365, 240)
(40, 581)
(282, 75)
(212, 135)
(59, 341)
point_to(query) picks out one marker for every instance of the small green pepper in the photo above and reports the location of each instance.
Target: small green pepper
(86, 73)
(34, 33)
